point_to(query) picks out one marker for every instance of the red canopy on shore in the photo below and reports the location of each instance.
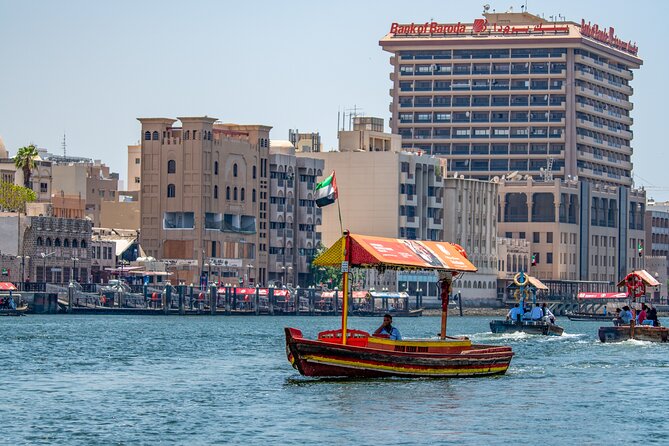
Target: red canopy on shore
(7, 286)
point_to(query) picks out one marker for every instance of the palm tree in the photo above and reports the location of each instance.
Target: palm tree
(25, 160)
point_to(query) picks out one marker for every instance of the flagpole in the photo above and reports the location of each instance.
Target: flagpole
(344, 307)
(341, 226)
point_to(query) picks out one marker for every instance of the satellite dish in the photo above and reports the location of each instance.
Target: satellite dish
(575, 178)
(512, 175)
(455, 175)
(486, 7)
(495, 179)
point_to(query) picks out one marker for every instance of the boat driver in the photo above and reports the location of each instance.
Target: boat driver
(387, 329)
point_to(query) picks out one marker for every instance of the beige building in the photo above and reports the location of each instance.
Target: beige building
(368, 136)
(470, 220)
(120, 214)
(305, 142)
(134, 167)
(92, 180)
(68, 206)
(578, 230)
(294, 217)
(204, 198)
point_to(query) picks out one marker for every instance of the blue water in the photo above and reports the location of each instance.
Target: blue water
(119, 380)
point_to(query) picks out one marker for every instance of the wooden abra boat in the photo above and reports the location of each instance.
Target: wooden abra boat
(18, 311)
(529, 327)
(577, 316)
(622, 333)
(354, 353)
(367, 356)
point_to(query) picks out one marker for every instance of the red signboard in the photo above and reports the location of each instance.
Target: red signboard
(480, 26)
(608, 37)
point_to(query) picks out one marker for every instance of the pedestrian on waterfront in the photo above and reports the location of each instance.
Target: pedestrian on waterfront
(387, 329)
(537, 313)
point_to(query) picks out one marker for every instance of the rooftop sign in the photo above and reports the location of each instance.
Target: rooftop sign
(608, 37)
(479, 27)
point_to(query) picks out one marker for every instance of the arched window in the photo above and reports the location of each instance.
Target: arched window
(48, 241)
(253, 195)
(235, 194)
(241, 197)
(215, 191)
(40, 242)
(147, 136)
(187, 135)
(171, 191)
(66, 243)
(75, 243)
(156, 136)
(56, 242)
(254, 171)
(227, 193)
(171, 166)
(208, 136)
(215, 167)
(83, 243)
(234, 170)
(194, 134)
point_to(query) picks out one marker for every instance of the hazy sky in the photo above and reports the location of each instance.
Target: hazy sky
(89, 68)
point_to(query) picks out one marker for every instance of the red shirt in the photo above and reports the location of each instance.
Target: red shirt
(642, 316)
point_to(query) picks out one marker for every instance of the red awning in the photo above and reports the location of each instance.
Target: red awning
(393, 253)
(7, 286)
(609, 296)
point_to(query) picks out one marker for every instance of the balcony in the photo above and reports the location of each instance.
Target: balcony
(589, 93)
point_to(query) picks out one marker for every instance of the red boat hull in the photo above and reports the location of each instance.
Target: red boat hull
(380, 358)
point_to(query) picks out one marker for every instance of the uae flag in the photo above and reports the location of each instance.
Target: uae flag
(326, 191)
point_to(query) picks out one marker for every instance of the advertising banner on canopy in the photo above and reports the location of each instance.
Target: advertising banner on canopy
(602, 295)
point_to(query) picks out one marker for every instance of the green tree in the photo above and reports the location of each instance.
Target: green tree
(25, 160)
(328, 276)
(13, 198)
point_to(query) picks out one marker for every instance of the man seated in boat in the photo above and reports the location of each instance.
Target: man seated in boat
(652, 317)
(548, 314)
(624, 316)
(514, 314)
(537, 313)
(386, 330)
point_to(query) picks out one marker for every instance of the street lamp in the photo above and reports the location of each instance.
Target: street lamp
(74, 268)
(44, 256)
(283, 273)
(23, 263)
(248, 274)
(290, 269)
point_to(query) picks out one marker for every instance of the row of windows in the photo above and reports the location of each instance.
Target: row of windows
(489, 149)
(502, 165)
(606, 93)
(467, 69)
(602, 138)
(483, 53)
(237, 193)
(480, 132)
(601, 75)
(520, 100)
(485, 116)
(66, 243)
(482, 84)
(172, 168)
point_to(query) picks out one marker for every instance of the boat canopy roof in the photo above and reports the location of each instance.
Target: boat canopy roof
(7, 286)
(534, 282)
(392, 253)
(642, 274)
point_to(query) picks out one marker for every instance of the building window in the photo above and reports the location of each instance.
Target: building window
(171, 166)
(234, 170)
(215, 191)
(147, 136)
(215, 167)
(235, 194)
(155, 136)
(83, 243)
(253, 195)
(171, 191)
(227, 193)
(66, 243)
(241, 197)
(137, 180)
(187, 135)
(40, 242)
(56, 242)
(138, 160)
(254, 172)
(75, 243)
(48, 241)
(43, 187)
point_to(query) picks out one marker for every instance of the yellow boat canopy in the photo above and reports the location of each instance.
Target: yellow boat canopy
(392, 253)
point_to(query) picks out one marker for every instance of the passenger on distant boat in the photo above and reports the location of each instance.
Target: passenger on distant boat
(387, 330)
(642, 315)
(514, 313)
(537, 313)
(623, 317)
(652, 316)
(548, 314)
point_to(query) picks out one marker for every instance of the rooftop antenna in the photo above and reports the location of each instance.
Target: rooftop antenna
(64, 145)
